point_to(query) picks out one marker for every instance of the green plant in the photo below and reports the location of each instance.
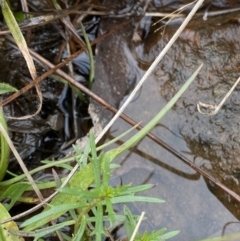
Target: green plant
(98, 200)
(5, 150)
(88, 197)
(89, 192)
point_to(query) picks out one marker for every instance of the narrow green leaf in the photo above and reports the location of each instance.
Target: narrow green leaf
(14, 192)
(95, 161)
(98, 230)
(44, 231)
(160, 232)
(94, 193)
(85, 155)
(52, 213)
(130, 198)
(6, 88)
(132, 141)
(5, 149)
(80, 231)
(106, 171)
(117, 138)
(132, 190)
(91, 59)
(110, 211)
(118, 218)
(171, 234)
(130, 222)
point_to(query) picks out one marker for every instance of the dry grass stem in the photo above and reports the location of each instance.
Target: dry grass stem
(21, 163)
(214, 107)
(166, 15)
(151, 68)
(175, 14)
(137, 226)
(44, 202)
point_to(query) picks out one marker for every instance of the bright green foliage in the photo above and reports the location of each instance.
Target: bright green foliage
(99, 199)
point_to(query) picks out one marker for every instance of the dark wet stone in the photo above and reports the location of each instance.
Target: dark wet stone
(214, 138)
(115, 72)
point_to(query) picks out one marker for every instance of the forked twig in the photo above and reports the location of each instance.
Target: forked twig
(216, 108)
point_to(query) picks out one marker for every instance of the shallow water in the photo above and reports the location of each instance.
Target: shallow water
(192, 204)
(189, 205)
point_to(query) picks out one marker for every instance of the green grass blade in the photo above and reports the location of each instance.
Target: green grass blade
(5, 149)
(51, 214)
(6, 88)
(130, 222)
(81, 193)
(14, 192)
(117, 138)
(132, 141)
(95, 162)
(130, 198)
(141, 188)
(98, 230)
(79, 234)
(170, 234)
(91, 59)
(44, 231)
(85, 177)
(106, 171)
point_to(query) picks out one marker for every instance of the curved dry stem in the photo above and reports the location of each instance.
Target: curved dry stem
(216, 108)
